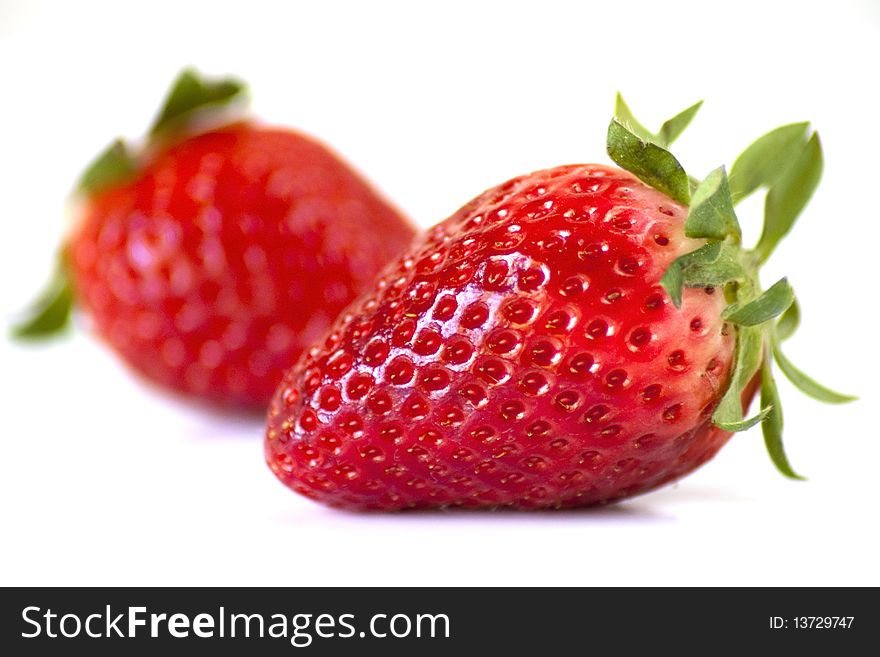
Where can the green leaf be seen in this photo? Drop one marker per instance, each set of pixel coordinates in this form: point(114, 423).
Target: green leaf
point(789, 195)
point(723, 269)
point(669, 131)
point(766, 159)
point(742, 425)
point(713, 264)
point(672, 129)
point(625, 116)
point(711, 213)
point(111, 167)
point(789, 321)
point(771, 427)
point(770, 304)
point(50, 314)
point(674, 278)
point(749, 348)
point(673, 282)
point(649, 162)
point(804, 383)
point(191, 93)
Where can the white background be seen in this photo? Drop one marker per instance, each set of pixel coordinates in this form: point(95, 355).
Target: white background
point(106, 481)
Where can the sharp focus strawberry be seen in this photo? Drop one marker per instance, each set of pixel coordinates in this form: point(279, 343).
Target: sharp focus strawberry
point(214, 260)
point(571, 337)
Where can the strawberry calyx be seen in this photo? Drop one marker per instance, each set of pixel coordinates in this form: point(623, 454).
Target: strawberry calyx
point(190, 97)
point(787, 163)
point(50, 314)
point(193, 105)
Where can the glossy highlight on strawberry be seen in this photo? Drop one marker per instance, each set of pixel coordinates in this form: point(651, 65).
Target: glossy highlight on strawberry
point(571, 337)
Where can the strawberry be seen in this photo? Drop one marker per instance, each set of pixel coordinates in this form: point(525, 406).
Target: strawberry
point(211, 260)
point(571, 337)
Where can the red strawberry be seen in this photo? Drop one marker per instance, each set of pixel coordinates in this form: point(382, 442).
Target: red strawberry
point(537, 348)
point(212, 262)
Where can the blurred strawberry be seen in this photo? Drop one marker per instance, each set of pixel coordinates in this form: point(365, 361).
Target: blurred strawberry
point(211, 258)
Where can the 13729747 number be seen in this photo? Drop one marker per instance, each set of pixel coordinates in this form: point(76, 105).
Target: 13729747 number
point(813, 622)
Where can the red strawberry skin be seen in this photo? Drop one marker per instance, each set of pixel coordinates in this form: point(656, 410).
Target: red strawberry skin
point(522, 354)
point(228, 255)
